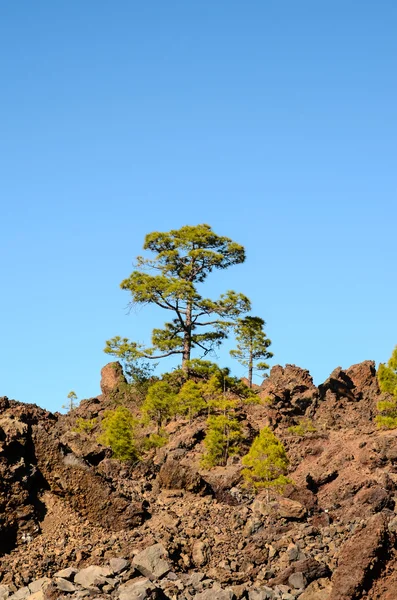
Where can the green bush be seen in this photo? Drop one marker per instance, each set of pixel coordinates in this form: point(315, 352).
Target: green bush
point(190, 399)
point(266, 463)
point(84, 425)
point(160, 403)
point(221, 441)
point(387, 378)
point(118, 432)
point(154, 440)
point(303, 428)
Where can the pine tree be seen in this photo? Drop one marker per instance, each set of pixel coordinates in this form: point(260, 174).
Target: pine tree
point(222, 440)
point(118, 432)
point(266, 462)
point(190, 399)
point(252, 344)
point(71, 403)
point(183, 258)
point(387, 378)
point(160, 403)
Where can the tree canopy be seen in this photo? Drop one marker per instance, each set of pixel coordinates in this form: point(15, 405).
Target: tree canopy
point(182, 259)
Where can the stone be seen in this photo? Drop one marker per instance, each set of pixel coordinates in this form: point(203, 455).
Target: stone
point(200, 553)
point(291, 509)
point(65, 585)
point(118, 565)
point(152, 562)
point(39, 584)
point(92, 576)
point(359, 557)
point(22, 593)
point(176, 476)
point(67, 573)
point(137, 589)
point(112, 378)
point(297, 581)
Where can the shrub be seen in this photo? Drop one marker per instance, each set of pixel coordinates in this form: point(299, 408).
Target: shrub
point(190, 399)
point(266, 463)
point(387, 378)
point(221, 441)
point(154, 440)
point(118, 432)
point(84, 425)
point(160, 403)
point(303, 428)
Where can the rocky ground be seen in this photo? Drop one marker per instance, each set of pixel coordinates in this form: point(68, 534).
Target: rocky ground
point(76, 523)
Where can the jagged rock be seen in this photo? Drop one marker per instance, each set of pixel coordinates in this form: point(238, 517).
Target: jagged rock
point(139, 589)
point(92, 576)
point(64, 585)
point(310, 568)
point(118, 565)
point(359, 559)
point(112, 377)
point(39, 584)
point(297, 581)
point(67, 573)
point(21, 594)
point(152, 562)
point(200, 552)
point(174, 475)
point(291, 387)
point(290, 509)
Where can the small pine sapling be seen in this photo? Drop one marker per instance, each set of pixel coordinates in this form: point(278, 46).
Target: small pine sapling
point(190, 399)
point(387, 379)
point(71, 403)
point(266, 463)
point(221, 441)
point(160, 403)
point(118, 432)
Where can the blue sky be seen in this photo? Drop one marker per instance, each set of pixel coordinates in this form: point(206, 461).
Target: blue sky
point(273, 121)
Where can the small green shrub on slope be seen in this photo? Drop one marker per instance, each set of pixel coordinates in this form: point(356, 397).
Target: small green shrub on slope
point(387, 379)
point(266, 463)
point(221, 441)
point(118, 432)
point(160, 403)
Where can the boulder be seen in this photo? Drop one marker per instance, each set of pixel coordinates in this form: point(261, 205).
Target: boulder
point(174, 475)
point(138, 589)
point(152, 562)
point(92, 576)
point(359, 558)
point(112, 377)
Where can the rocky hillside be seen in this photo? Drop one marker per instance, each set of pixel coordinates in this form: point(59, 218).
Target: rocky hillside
point(76, 523)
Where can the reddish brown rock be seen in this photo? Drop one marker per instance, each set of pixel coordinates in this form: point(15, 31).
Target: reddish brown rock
point(361, 559)
point(112, 377)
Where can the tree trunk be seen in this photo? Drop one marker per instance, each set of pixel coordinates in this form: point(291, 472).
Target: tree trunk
point(187, 338)
point(250, 367)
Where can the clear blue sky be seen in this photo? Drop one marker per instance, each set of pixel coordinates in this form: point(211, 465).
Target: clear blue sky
point(273, 121)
